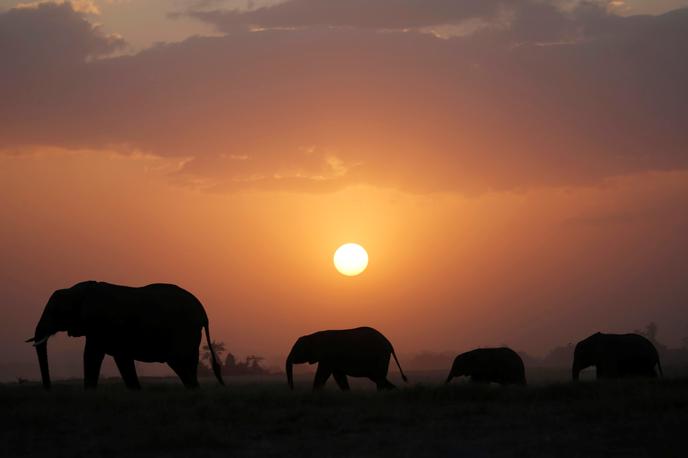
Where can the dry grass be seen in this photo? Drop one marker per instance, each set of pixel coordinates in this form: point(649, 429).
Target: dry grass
point(262, 418)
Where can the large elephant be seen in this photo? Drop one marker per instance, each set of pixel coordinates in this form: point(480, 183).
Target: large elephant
point(359, 352)
point(155, 323)
point(489, 365)
point(616, 356)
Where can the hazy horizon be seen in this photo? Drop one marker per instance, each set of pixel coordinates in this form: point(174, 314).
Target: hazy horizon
point(516, 170)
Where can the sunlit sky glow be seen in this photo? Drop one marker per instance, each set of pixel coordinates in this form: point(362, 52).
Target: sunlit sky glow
point(518, 170)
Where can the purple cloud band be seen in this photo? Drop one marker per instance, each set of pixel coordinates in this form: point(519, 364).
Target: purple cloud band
point(553, 97)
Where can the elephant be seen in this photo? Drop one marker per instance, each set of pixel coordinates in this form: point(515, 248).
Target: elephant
point(359, 352)
point(616, 356)
point(489, 365)
point(154, 323)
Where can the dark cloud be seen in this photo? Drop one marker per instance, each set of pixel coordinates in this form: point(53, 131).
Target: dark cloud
point(389, 14)
point(319, 108)
point(51, 34)
point(526, 19)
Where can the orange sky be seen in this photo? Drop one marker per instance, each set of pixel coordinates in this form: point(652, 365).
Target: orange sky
point(531, 269)
point(510, 187)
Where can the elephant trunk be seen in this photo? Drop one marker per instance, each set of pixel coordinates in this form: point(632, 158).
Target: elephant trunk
point(457, 370)
point(290, 372)
point(42, 352)
point(40, 341)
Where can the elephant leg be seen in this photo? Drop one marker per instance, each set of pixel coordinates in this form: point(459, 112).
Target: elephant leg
point(93, 359)
point(321, 376)
point(479, 380)
point(187, 371)
point(127, 369)
point(341, 380)
point(607, 372)
point(383, 384)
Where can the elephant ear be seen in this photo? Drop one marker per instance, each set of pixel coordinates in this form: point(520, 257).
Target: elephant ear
point(316, 348)
point(79, 297)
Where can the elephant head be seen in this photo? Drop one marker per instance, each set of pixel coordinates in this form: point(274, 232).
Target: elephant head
point(585, 354)
point(304, 350)
point(63, 312)
point(463, 365)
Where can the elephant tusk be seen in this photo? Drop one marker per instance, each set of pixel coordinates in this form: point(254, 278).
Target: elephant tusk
point(39, 342)
point(30, 340)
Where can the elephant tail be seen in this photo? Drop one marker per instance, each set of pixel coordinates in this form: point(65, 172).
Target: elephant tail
point(403, 377)
point(213, 361)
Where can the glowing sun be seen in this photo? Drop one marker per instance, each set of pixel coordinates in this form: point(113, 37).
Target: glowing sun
point(350, 259)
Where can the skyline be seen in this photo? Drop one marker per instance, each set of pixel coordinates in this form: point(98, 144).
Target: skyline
point(516, 170)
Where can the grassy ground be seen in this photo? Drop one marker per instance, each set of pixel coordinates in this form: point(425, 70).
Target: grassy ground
point(262, 418)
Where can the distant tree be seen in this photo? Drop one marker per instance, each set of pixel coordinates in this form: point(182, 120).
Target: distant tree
point(230, 361)
point(253, 362)
point(529, 360)
point(218, 348)
point(651, 331)
point(560, 356)
point(250, 366)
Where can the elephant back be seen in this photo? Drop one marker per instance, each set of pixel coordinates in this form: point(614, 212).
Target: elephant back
point(148, 323)
point(364, 341)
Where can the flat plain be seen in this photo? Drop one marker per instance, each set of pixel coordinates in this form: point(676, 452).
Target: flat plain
point(261, 417)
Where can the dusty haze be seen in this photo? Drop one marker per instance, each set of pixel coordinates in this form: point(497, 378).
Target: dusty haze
point(517, 170)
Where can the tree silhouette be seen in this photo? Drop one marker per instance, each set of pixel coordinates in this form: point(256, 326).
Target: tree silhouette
point(251, 366)
point(560, 356)
point(218, 348)
point(254, 361)
point(651, 331)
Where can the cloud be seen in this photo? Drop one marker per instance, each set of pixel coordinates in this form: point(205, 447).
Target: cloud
point(53, 34)
point(388, 14)
point(528, 17)
point(558, 96)
point(81, 6)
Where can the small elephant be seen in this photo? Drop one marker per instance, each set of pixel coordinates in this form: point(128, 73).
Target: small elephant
point(155, 323)
point(359, 352)
point(490, 365)
point(616, 356)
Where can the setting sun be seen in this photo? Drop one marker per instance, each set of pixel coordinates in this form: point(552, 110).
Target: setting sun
point(351, 259)
point(178, 178)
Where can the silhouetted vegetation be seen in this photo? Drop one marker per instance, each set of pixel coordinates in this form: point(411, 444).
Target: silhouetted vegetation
point(251, 366)
point(217, 347)
point(260, 416)
point(257, 419)
point(668, 356)
point(230, 366)
point(560, 356)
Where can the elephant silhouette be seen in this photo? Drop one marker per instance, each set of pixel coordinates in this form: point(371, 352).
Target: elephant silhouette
point(359, 352)
point(155, 323)
point(489, 365)
point(616, 356)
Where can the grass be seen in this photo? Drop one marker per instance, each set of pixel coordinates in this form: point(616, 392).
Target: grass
point(263, 418)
